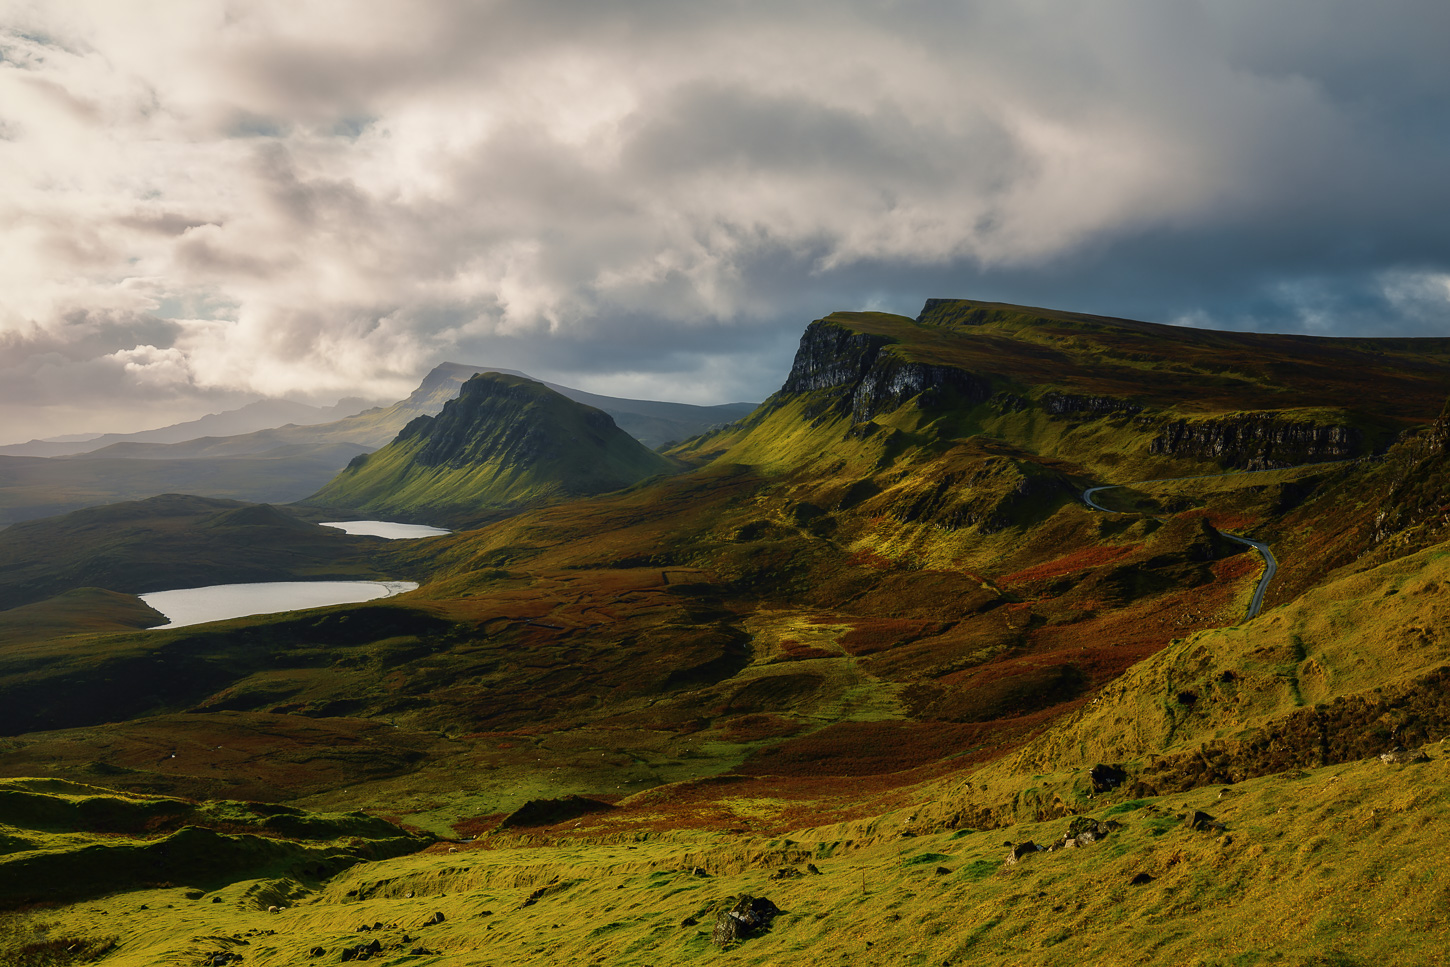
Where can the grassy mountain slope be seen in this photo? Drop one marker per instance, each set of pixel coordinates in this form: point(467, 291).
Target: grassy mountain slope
point(875, 630)
point(506, 441)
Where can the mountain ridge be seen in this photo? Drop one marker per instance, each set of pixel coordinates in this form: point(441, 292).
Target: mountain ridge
point(505, 441)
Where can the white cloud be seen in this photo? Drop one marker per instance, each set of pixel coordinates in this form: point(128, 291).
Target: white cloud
point(330, 197)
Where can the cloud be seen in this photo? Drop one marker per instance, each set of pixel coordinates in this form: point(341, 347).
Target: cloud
point(207, 200)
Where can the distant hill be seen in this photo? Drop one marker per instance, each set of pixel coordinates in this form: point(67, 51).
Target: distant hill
point(652, 423)
point(280, 464)
point(506, 441)
point(254, 416)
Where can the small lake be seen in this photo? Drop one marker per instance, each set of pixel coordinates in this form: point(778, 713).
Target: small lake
point(194, 606)
point(386, 529)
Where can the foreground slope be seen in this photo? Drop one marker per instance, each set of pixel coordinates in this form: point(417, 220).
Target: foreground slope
point(506, 441)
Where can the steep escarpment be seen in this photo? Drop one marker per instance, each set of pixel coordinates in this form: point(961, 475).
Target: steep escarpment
point(505, 442)
point(1258, 441)
point(861, 375)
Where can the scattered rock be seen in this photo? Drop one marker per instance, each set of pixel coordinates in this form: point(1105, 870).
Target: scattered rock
point(1140, 879)
point(811, 869)
point(746, 918)
point(786, 873)
point(363, 951)
point(689, 922)
point(698, 871)
point(437, 917)
point(317, 952)
point(216, 899)
point(1015, 854)
point(942, 871)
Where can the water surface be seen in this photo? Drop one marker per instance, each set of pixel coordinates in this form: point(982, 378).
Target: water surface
point(386, 529)
point(194, 606)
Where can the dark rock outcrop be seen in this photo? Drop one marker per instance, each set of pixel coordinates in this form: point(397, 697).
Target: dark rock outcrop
point(748, 917)
point(867, 378)
point(1204, 823)
point(1106, 777)
point(1257, 441)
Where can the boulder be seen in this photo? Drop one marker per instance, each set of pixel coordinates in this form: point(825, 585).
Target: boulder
point(1016, 853)
point(1399, 756)
point(746, 918)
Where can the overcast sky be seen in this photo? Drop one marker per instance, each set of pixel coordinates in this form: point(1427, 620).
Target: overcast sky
point(205, 201)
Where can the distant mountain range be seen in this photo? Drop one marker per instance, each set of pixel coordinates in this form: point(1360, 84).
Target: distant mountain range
point(254, 416)
point(276, 463)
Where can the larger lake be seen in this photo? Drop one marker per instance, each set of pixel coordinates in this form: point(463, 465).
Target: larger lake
point(194, 606)
point(386, 529)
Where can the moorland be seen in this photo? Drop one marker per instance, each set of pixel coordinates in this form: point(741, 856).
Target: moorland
point(864, 652)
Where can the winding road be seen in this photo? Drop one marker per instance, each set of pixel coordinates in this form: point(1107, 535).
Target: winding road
point(1271, 566)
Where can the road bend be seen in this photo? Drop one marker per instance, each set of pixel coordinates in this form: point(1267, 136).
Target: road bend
point(1271, 566)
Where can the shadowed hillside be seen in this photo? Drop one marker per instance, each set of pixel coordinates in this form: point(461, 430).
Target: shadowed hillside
point(171, 541)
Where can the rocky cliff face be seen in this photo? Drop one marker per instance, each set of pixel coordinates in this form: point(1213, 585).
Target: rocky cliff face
point(1257, 441)
point(866, 378)
point(1416, 502)
point(1067, 404)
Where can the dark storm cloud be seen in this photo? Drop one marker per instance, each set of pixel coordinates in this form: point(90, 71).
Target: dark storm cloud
point(658, 196)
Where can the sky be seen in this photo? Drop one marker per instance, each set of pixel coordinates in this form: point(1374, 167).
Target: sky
point(204, 202)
